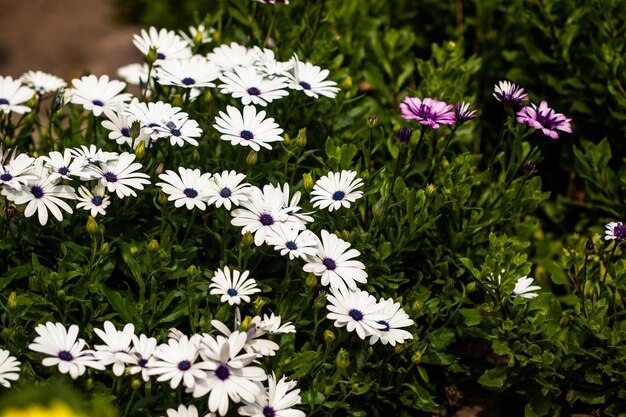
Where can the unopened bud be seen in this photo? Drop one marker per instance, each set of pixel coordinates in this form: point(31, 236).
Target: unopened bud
point(589, 246)
point(365, 175)
point(430, 189)
point(404, 135)
point(311, 280)
point(134, 250)
point(177, 100)
point(301, 139)
point(258, 303)
point(12, 303)
point(286, 139)
point(6, 333)
point(380, 207)
point(197, 38)
point(153, 246)
point(346, 84)
point(104, 248)
point(134, 130)
point(342, 361)
point(92, 226)
point(251, 158)
point(88, 384)
point(345, 235)
point(195, 155)
point(152, 55)
point(320, 300)
point(372, 121)
point(136, 384)
point(416, 358)
point(207, 96)
point(59, 100)
point(471, 287)
point(329, 336)
point(307, 180)
point(191, 271)
point(245, 324)
point(162, 198)
point(417, 307)
point(530, 168)
point(247, 240)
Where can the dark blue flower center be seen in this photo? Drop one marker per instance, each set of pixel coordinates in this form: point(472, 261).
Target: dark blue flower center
point(64, 170)
point(184, 365)
point(266, 219)
point(64, 355)
point(97, 200)
point(329, 264)
point(142, 362)
point(160, 55)
point(291, 245)
point(6, 177)
point(305, 85)
point(253, 91)
point(3, 101)
point(37, 191)
point(268, 411)
point(190, 192)
point(356, 314)
point(110, 177)
point(97, 102)
point(225, 193)
point(222, 372)
point(384, 323)
point(246, 134)
point(188, 81)
point(154, 125)
point(620, 232)
point(338, 195)
point(232, 292)
point(125, 132)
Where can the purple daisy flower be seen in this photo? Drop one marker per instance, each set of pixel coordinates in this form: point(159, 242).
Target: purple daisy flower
point(544, 118)
point(462, 113)
point(615, 231)
point(429, 112)
point(510, 93)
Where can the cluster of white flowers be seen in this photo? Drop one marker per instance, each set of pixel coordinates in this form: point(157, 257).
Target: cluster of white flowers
point(223, 367)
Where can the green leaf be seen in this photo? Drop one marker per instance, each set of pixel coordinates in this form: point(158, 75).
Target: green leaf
point(123, 305)
point(494, 378)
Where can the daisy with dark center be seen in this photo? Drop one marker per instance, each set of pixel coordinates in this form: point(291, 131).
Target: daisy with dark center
point(121, 176)
point(293, 242)
point(615, 231)
point(510, 93)
point(119, 124)
point(395, 318)
point(234, 55)
point(195, 71)
point(233, 286)
point(64, 165)
point(429, 112)
point(17, 172)
point(177, 362)
point(255, 343)
point(64, 349)
point(311, 80)
point(142, 354)
point(180, 129)
point(545, 119)
point(96, 201)
point(248, 129)
point(230, 374)
point(97, 94)
point(336, 190)
point(9, 368)
point(462, 113)
point(13, 94)
point(356, 310)
point(42, 82)
point(167, 43)
point(334, 263)
point(152, 116)
point(189, 187)
point(116, 350)
point(272, 324)
point(277, 400)
point(227, 189)
point(252, 88)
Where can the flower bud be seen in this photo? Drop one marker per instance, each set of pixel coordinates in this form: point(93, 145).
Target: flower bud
point(162, 198)
point(12, 303)
point(430, 189)
point(195, 155)
point(191, 271)
point(135, 384)
point(417, 307)
point(471, 287)
point(416, 358)
point(245, 324)
point(134, 250)
point(345, 235)
point(589, 246)
point(286, 139)
point(251, 158)
point(177, 100)
point(104, 248)
point(207, 96)
point(372, 121)
point(307, 180)
point(92, 226)
point(88, 384)
point(258, 303)
point(404, 135)
point(346, 84)
point(134, 130)
point(342, 361)
point(311, 280)
point(301, 139)
point(58, 101)
point(320, 300)
point(197, 38)
point(153, 246)
point(329, 336)
point(6, 333)
point(140, 150)
point(152, 55)
point(365, 175)
point(247, 240)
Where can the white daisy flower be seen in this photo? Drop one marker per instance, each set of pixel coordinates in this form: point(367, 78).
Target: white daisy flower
point(18, 172)
point(97, 94)
point(189, 187)
point(9, 368)
point(142, 354)
point(395, 318)
point(355, 310)
point(195, 71)
point(293, 242)
point(41, 194)
point(263, 212)
point(311, 80)
point(229, 57)
point(96, 201)
point(63, 349)
point(333, 262)
point(614, 231)
point(272, 324)
point(93, 154)
point(230, 375)
point(116, 352)
point(235, 288)
point(135, 74)
point(167, 43)
point(13, 94)
point(183, 411)
point(64, 165)
point(152, 116)
point(202, 33)
point(250, 129)
point(249, 86)
point(510, 93)
point(293, 210)
point(335, 190)
point(524, 288)
point(277, 400)
point(120, 175)
point(227, 189)
point(42, 82)
point(176, 362)
point(254, 343)
point(180, 129)
point(119, 125)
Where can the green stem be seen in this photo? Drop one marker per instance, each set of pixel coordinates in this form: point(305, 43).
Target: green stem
point(419, 140)
point(606, 270)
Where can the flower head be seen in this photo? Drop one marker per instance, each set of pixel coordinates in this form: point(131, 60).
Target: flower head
point(545, 119)
point(116, 350)
point(355, 310)
point(615, 231)
point(509, 93)
point(42, 82)
point(336, 190)
point(251, 87)
point(96, 200)
point(227, 189)
point(277, 400)
point(177, 362)
point(97, 94)
point(404, 134)
point(524, 288)
point(233, 288)
point(248, 128)
point(142, 353)
point(167, 43)
point(391, 331)
point(13, 94)
point(9, 368)
point(462, 113)
point(429, 112)
point(192, 72)
point(311, 80)
point(189, 187)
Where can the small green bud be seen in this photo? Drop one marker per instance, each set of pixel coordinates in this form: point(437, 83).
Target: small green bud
point(177, 100)
point(104, 248)
point(162, 198)
point(88, 384)
point(135, 130)
point(12, 303)
point(92, 226)
point(202, 323)
point(329, 336)
point(372, 121)
point(345, 235)
point(61, 294)
point(258, 303)
point(311, 280)
point(301, 139)
point(369, 352)
point(399, 348)
point(346, 84)
point(134, 250)
point(6, 333)
point(140, 150)
point(247, 240)
point(197, 38)
point(191, 271)
point(151, 56)
point(320, 300)
point(365, 175)
point(307, 180)
point(245, 324)
point(416, 358)
point(430, 189)
point(251, 158)
point(195, 155)
point(471, 287)
point(342, 361)
point(286, 139)
point(380, 207)
point(136, 384)
point(153, 246)
point(207, 96)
